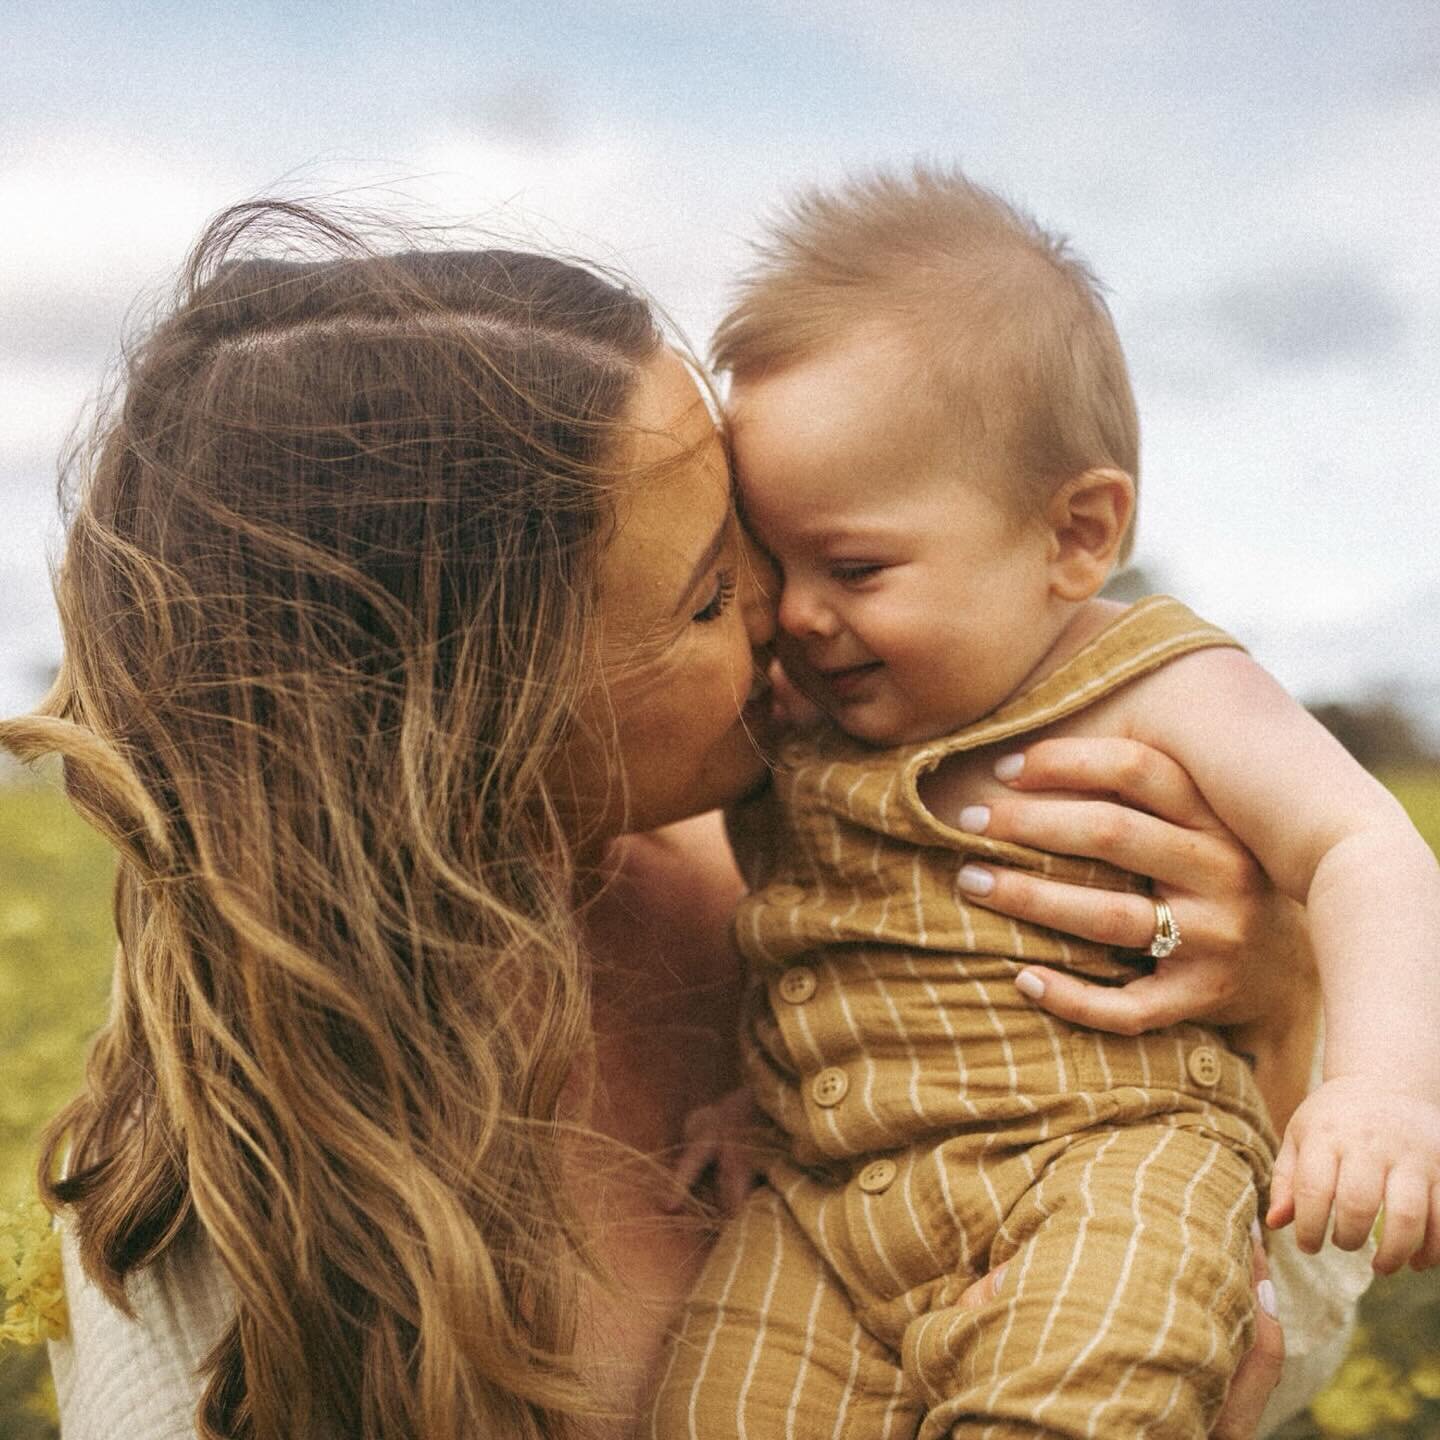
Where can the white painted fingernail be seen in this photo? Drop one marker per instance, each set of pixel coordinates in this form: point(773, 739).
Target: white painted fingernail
point(998, 1280)
point(975, 880)
point(974, 818)
point(1265, 1294)
point(1008, 767)
point(1255, 1232)
point(1027, 982)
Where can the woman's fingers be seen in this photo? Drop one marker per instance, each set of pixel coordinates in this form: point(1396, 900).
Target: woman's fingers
point(1125, 768)
point(1108, 917)
point(1192, 859)
point(1259, 1371)
point(1150, 1003)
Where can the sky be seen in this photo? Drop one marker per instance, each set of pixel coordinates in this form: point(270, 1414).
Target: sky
point(1255, 182)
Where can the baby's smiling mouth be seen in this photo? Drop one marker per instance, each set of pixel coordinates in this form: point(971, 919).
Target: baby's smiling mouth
point(845, 681)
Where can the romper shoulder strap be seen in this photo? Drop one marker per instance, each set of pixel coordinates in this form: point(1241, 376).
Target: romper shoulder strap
point(1151, 633)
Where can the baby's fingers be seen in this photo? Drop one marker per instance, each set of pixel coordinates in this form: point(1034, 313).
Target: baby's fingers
point(1407, 1211)
point(737, 1178)
point(1359, 1191)
point(694, 1160)
point(1429, 1253)
point(1316, 1168)
point(1282, 1186)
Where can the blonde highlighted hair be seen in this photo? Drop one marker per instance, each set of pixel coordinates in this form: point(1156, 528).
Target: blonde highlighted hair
point(328, 600)
point(1015, 360)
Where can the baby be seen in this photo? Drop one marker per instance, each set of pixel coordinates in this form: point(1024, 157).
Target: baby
point(936, 440)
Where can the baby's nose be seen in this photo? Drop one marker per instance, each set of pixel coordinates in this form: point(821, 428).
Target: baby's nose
point(801, 613)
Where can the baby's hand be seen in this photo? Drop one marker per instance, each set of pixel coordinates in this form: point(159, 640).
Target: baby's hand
point(727, 1137)
point(1358, 1147)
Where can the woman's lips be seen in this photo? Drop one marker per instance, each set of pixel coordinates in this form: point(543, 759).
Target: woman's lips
point(756, 709)
point(848, 683)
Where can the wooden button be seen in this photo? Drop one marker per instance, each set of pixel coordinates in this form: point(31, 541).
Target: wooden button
point(830, 1086)
point(877, 1176)
point(797, 984)
point(784, 894)
point(1204, 1065)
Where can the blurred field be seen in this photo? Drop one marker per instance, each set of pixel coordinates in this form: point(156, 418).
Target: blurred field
point(55, 950)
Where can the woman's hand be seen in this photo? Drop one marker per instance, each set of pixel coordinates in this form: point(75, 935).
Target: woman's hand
point(1137, 809)
point(1258, 1372)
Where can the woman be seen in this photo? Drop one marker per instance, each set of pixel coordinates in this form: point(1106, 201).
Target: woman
point(409, 628)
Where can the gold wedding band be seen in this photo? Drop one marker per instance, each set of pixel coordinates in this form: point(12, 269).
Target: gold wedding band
point(1167, 932)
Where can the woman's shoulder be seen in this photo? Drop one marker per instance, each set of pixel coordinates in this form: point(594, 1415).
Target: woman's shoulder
point(691, 856)
point(141, 1376)
point(680, 879)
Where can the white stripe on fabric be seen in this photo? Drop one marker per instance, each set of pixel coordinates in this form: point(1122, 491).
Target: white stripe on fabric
point(903, 1035)
point(806, 1355)
point(776, 1261)
point(849, 1382)
point(1131, 1250)
point(1087, 1215)
point(1231, 1219)
point(740, 1248)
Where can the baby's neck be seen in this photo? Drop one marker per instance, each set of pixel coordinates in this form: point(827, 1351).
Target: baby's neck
point(1083, 624)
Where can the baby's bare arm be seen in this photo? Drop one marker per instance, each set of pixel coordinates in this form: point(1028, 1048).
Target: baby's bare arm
point(1330, 835)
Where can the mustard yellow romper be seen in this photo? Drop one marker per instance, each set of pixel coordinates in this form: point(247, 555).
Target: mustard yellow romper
point(938, 1124)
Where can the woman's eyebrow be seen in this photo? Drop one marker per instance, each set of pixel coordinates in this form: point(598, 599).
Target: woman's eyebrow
point(706, 560)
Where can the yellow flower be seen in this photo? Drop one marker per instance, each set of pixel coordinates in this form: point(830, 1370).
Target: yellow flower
point(31, 1281)
point(1425, 1379)
point(1366, 1394)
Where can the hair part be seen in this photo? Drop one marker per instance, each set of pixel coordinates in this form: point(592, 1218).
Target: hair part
point(1012, 352)
point(328, 600)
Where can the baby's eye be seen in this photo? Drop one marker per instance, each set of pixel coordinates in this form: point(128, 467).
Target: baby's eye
point(851, 572)
point(719, 601)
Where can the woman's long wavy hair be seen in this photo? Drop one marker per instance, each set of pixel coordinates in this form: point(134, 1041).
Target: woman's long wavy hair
point(328, 599)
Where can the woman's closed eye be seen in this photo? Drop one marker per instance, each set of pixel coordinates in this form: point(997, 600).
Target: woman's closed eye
point(719, 600)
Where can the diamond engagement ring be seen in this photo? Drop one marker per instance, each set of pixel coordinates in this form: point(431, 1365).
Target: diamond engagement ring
point(1167, 932)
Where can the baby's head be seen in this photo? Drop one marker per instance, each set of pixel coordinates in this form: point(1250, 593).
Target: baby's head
point(936, 438)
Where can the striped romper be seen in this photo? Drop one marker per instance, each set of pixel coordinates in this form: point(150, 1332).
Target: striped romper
point(936, 1124)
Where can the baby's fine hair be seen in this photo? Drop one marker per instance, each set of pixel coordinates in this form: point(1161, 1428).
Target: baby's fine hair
point(1007, 328)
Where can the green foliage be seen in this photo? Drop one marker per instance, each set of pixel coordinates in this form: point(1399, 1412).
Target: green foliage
point(55, 949)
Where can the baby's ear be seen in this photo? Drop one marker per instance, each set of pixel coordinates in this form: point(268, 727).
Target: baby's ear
point(1088, 517)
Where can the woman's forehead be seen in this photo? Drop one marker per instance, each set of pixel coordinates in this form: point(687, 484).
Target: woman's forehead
point(676, 497)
